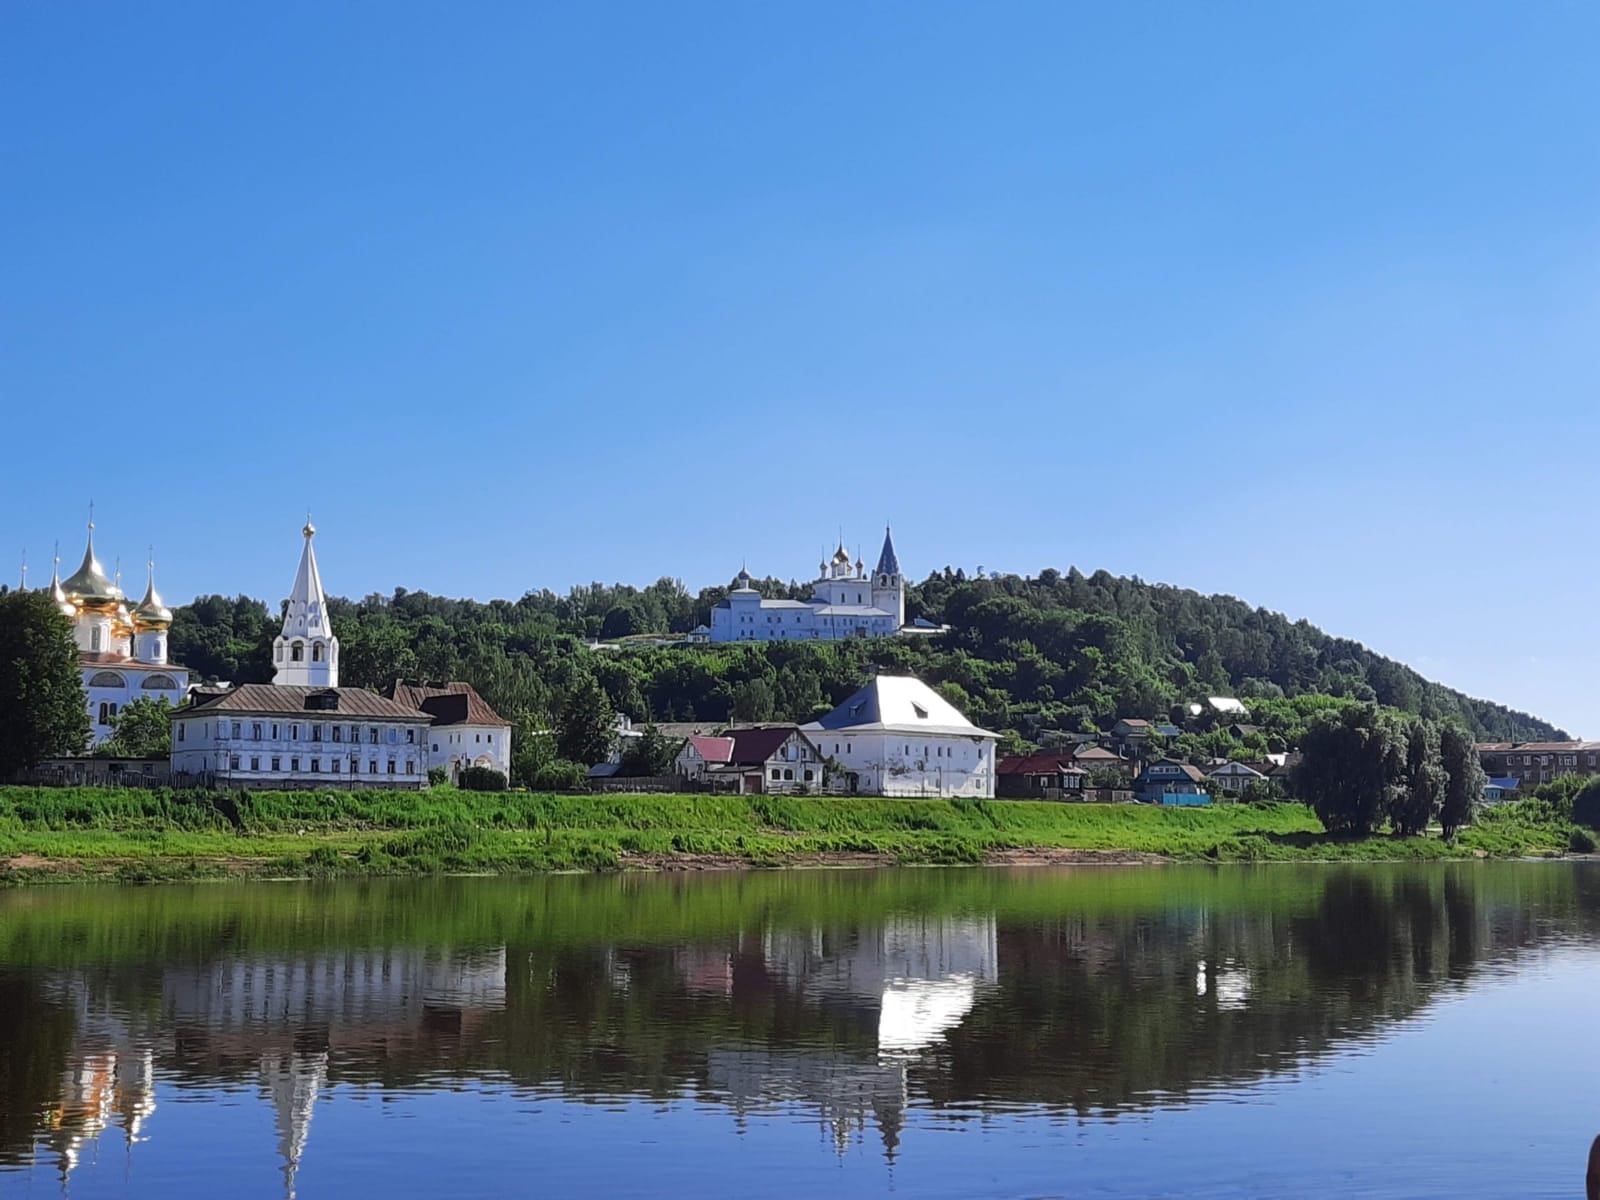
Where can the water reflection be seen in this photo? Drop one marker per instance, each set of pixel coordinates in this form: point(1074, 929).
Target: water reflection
point(852, 999)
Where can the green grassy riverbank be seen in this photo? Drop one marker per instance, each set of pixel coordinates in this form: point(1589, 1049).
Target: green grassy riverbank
point(64, 834)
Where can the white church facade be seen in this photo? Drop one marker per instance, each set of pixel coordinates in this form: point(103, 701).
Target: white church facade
point(845, 602)
point(899, 737)
point(122, 651)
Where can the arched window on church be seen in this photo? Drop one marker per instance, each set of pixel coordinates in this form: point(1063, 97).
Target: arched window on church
point(277, 652)
point(297, 652)
point(94, 639)
point(316, 651)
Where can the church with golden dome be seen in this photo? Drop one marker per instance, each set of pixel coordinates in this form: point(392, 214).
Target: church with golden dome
point(122, 651)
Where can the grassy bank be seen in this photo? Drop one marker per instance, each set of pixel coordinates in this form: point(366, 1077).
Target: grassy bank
point(69, 833)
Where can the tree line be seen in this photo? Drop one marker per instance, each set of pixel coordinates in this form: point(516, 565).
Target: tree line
point(1056, 652)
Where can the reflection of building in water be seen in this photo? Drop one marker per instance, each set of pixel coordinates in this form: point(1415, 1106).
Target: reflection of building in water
point(292, 1082)
point(913, 980)
point(1227, 982)
point(921, 974)
point(277, 1017)
point(355, 987)
point(845, 1088)
point(100, 1087)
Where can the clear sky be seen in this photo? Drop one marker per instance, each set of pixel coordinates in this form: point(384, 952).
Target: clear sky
point(1294, 302)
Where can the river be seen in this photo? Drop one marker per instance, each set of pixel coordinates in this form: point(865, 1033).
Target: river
point(1286, 1030)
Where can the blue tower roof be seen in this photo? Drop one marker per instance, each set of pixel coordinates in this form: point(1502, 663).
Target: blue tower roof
point(888, 561)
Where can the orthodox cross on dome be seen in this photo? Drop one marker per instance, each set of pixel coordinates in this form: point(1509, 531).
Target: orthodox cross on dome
point(24, 586)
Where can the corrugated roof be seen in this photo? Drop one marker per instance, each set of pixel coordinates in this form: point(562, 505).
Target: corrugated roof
point(712, 749)
point(270, 699)
point(754, 746)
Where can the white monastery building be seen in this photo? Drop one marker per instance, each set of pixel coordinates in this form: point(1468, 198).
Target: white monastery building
point(845, 602)
point(302, 729)
point(899, 737)
point(122, 652)
point(466, 732)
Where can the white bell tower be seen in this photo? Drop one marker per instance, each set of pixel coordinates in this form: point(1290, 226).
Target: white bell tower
point(306, 654)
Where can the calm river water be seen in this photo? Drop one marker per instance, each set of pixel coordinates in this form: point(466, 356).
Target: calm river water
point(1271, 1031)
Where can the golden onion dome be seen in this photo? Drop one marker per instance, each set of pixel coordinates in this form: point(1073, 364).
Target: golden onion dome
point(842, 556)
point(88, 587)
point(121, 620)
point(151, 613)
point(58, 595)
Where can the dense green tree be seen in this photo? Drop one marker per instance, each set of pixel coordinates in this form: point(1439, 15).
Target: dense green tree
point(649, 754)
point(224, 638)
point(1352, 764)
point(1421, 793)
point(43, 712)
point(587, 727)
point(1464, 779)
point(753, 700)
point(143, 729)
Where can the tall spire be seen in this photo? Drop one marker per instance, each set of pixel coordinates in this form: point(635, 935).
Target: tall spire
point(888, 560)
point(306, 654)
point(23, 586)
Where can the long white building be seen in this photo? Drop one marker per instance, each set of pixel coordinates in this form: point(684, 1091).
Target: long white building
point(845, 602)
point(899, 737)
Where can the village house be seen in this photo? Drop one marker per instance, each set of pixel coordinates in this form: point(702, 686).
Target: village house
point(899, 737)
point(1041, 776)
point(1498, 791)
point(1097, 759)
point(1167, 781)
point(768, 759)
point(700, 753)
point(1234, 777)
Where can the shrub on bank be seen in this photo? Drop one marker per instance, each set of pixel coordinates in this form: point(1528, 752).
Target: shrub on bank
point(481, 779)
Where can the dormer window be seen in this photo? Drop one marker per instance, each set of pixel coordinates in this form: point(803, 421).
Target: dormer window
point(922, 713)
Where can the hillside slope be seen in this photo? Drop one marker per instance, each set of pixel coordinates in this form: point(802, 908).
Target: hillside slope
point(1053, 652)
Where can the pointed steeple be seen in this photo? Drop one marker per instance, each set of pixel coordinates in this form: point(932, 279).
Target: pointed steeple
point(306, 654)
point(888, 561)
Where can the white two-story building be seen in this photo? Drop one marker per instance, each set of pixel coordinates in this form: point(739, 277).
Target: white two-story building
point(899, 737)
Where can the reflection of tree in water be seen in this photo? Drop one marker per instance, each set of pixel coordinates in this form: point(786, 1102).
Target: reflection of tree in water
point(854, 1001)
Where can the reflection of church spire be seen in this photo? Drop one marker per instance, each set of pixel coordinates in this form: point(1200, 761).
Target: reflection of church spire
point(136, 1092)
point(293, 1082)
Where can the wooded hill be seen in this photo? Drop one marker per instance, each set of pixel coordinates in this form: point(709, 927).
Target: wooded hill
point(1058, 652)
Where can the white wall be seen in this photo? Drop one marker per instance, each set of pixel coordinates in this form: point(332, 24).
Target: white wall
point(208, 742)
point(458, 746)
point(100, 697)
point(913, 764)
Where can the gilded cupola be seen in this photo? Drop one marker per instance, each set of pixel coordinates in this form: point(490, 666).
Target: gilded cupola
point(87, 587)
point(152, 612)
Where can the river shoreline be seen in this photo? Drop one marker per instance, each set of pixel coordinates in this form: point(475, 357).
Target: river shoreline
point(81, 834)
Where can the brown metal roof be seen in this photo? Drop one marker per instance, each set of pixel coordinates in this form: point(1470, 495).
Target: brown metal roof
point(754, 746)
point(454, 703)
point(270, 699)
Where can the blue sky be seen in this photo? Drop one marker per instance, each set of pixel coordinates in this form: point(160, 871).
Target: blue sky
point(1294, 303)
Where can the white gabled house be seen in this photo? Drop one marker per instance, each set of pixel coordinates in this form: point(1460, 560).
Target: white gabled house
point(899, 737)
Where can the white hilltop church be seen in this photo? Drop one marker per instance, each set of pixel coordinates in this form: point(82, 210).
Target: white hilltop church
point(122, 652)
point(845, 602)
